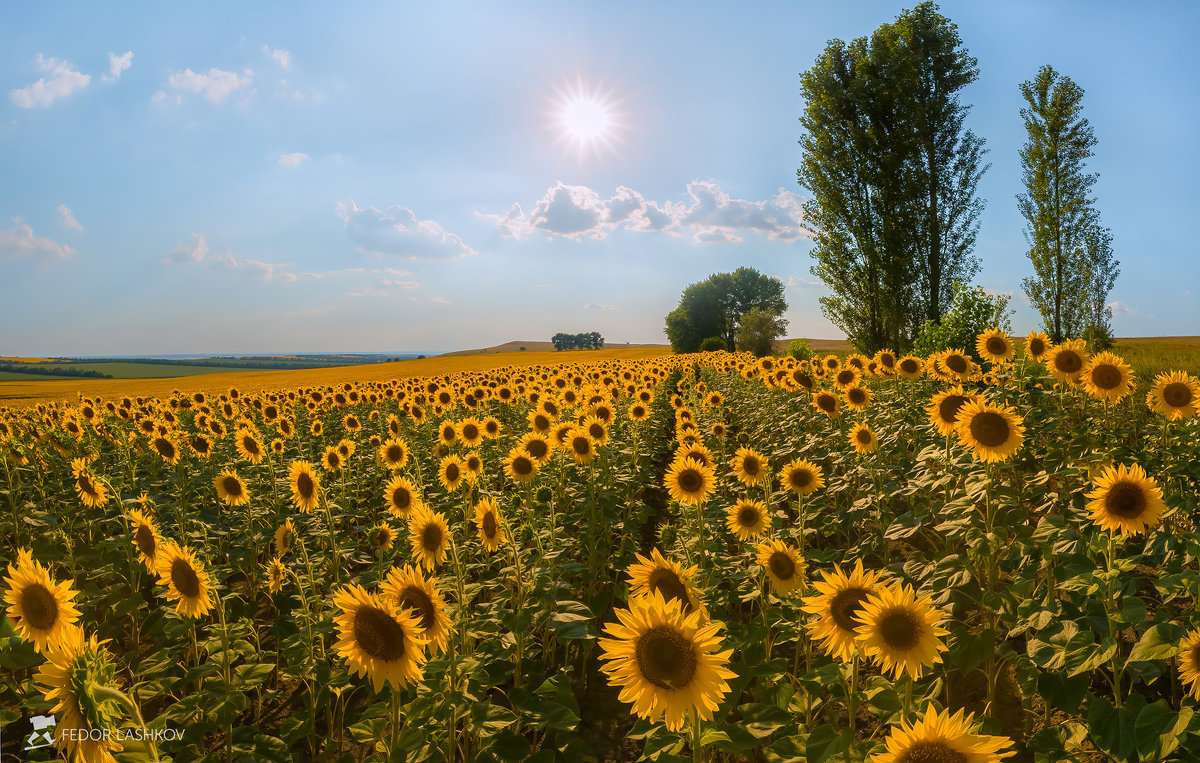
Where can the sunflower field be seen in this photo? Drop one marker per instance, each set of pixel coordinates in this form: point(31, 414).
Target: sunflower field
point(964, 558)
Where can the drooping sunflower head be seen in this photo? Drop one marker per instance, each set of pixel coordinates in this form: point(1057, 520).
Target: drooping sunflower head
point(92, 491)
point(838, 602)
point(305, 485)
point(488, 522)
point(901, 631)
point(145, 536)
point(863, 439)
point(41, 610)
point(276, 574)
point(430, 538)
point(992, 432)
point(1066, 360)
point(1108, 378)
point(378, 639)
point(944, 408)
point(994, 345)
point(285, 536)
point(940, 736)
point(87, 724)
point(1175, 395)
point(690, 482)
point(666, 578)
point(186, 581)
point(785, 568)
point(231, 489)
point(749, 465)
point(747, 519)
point(1126, 501)
point(411, 591)
point(801, 477)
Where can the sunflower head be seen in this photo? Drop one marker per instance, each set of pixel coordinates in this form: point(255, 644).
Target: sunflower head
point(491, 528)
point(276, 575)
point(837, 604)
point(994, 345)
point(1175, 395)
point(305, 484)
point(667, 578)
point(378, 639)
point(231, 489)
point(41, 610)
point(1037, 345)
point(186, 581)
point(409, 590)
point(382, 537)
point(944, 408)
point(992, 432)
point(1126, 501)
point(86, 722)
point(749, 465)
point(689, 482)
point(801, 477)
point(940, 736)
point(145, 536)
point(784, 567)
point(520, 466)
point(1189, 662)
point(430, 537)
point(901, 631)
point(1066, 360)
point(393, 454)
point(1108, 378)
point(747, 519)
point(863, 439)
point(402, 497)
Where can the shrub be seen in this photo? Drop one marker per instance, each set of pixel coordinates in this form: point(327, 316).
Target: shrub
point(713, 343)
point(972, 311)
point(800, 350)
point(759, 330)
point(1098, 337)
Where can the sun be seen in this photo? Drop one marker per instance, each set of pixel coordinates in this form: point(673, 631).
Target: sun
point(587, 118)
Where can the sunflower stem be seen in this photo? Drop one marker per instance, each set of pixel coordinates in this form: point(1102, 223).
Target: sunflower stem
point(697, 735)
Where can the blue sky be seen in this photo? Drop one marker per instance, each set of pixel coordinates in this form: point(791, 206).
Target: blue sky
point(383, 177)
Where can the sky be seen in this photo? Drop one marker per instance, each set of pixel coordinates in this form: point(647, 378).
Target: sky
point(387, 177)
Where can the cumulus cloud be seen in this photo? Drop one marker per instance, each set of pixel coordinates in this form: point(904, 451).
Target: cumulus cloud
point(281, 56)
point(62, 80)
point(19, 243)
point(1120, 308)
point(397, 232)
point(292, 160)
point(709, 214)
point(196, 250)
point(216, 86)
point(68, 218)
point(117, 64)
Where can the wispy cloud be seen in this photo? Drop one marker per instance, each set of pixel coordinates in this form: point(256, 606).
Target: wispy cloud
point(398, 232)
point(117, 64)
point(368, 292)
point(598, 306)
point(439, 300)
point(193, 250)
point(197, 250)
point(216, 86)
point(796, 282)
point(292, 160)
point(68, 218)
point(63, 80)
point(281, 56)
point(19, 242)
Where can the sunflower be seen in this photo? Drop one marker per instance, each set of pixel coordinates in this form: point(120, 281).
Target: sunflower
point(470, 432)
point(88, 726)
point(537, 447)
point(697, 452)
point(91, 491)
point(409, 590)
point(491, 529)
point(231, 489)
point(165, 449)
point(491, 427)
point(956, 363)
point(1174, 395)
point(1126, 501)
point(863, 439)
point(639, 412)
point(285, 536)
point(185, 579)
point(837, 604)
point(747, 519)
point(145, 536)
point(200, 445)
point(828, 403)
point(667, 578)
point(382, 537)
point(942, 737)
point(784, 567)
point(402, 497)
point(1066, 360)
point(910, 367)
point(451, 473)
point(1189, 662)
point(378, 639)
point(750, 465)
point(802, 477)
point(581, 447)
point(306, 486)
point(540, 422)
point(331, 460)
point(41, 610)
point(944, 408)
point(473, 465)
point(901, 631)
point(994, 345)
point(1037, 345)
point(430, 537)
point(276, 574)
point(393, 454)
point(857, 398)
point(249, 446)
point(994, 432)
point(666, 661)
point(1108, 378)
point(688, 481)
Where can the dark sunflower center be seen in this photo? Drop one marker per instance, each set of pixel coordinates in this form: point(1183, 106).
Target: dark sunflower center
point(596, 430)
point(145, 541)
point(949, 407)
point(418, 600)
point(956, 363)
point(581, 446)
point(522, 466)
point(377, 634)
point(251, 446)
point(864, 436)
point(781, 566)
point(541, 422)
point(165, 448)
point(996, 346)
point(827, 402)
point(304, 485)
point(989, 429)
point(39, 607)
point(85, 484)
point(900, 629)
point(537, 448)
point(845, 377)
point(401, 498)
point(489, 525)
point(666, 658)
point(1177, 394)
point(1126, 500)
point(751, 466)
point(857, 395)
point(800, 478)
point(452, 472)
point(748, 516)
point(690, 481)
point(935, 751)
point(232, 486)
point(845, 606)
point(1106, 376)
point(667, 583)
point(1194, 657)
point(908, 366)
point(1036, 346)
point(431, 538)
point(470, 432)
point(803, 379)
point(1068, 362)
point(185, 579)
point(382, 537)
point(395, 453)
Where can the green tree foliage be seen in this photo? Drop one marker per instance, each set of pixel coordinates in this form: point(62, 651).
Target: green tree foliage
point(715, 306)
point(799, 349)
point(892, 172)
point(1073, 264)
point(589, 341)
point(758, 331)
point(969, 314)
point(712, 344)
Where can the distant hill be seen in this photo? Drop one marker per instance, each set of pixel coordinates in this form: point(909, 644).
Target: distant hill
point(532, 346)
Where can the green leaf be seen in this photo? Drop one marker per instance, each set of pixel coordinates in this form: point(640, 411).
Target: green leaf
point(824, 741)
point(1159, 730)
point(968, 649)
point(1159, 642)
point(1083, 654)
point(1111, 729)
point(1061, 692)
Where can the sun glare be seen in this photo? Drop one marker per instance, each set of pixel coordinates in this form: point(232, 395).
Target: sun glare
point(587, 119)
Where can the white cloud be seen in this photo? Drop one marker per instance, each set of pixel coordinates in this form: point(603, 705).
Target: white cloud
point(18, 243)
point(368, 292)
point(398, 232)
point(598, 306)
point(117, 64)
point(407, 285)
point(216, 86)
point(64, 79)
point(709, 214)
point(796, 282)
point(196, 250)
point(439, 300)
point(292, 160)
point(283, 57)
point(1120, 308)
point(68, 218)
point(193, 251)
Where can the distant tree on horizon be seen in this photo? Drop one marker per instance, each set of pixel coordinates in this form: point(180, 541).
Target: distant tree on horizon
point(587, 341)
point(715, 306)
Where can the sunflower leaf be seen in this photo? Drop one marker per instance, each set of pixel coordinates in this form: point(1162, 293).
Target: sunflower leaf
point(824, 741)
point(1159, 642)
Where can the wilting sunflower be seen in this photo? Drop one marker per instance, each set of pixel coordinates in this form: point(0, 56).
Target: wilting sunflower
point(305, 484)
point(285, 536)
point(41, 610)
point(747, 519)
point(402, 497)
point(1108, 378)
point(520, 466)
point(451, 473)
point(785, 568)
point(942, 737)
point(995, 346)
point(487, 520)
point(409, 590)
point(666, 661)
point(750, 466)
point(231, 489)
point(993, 432)
point(857, 398)
point(910, 367)
point(1037, 345)
point(145, 537)
point(393, 454)
point(1189, 662)
point(901, 631)
point(382, 537)
point(185, 579)
point(944, 408)
point(837, 604)
point(802, 477)
point(430, 537)
point(378, 639)
point(1066, 360)
point(688, 481)
point(1126, 501)
point(276, 574)
point(87, 726)
point(863, 439)
point(667, 578)
point(827, 403)
point(1174, 395)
